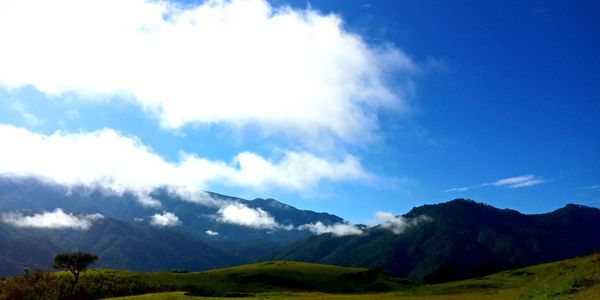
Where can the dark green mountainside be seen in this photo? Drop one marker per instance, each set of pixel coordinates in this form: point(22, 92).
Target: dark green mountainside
point(118, 244)
point(462, 239)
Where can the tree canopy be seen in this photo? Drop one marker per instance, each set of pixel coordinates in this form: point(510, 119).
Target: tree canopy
point(74, 262)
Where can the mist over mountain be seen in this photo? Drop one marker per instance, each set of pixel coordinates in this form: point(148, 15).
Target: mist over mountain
point(128, 235)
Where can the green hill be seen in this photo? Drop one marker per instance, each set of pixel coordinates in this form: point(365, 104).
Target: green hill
point(277, 276)
point(461, 239)
point(577, 278)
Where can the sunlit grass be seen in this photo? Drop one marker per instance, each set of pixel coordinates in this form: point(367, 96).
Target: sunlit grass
point(577, 278)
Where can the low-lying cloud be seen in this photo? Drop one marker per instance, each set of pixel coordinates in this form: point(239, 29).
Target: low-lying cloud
point(398, 224)
point(240, 214)
point(56, 219)
point(165, 219)
point(338, 229)
point(120, 163)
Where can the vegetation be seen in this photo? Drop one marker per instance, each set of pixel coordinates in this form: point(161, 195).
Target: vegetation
point(38, 284)
point(577, 278)
point(75, 263)
point(461, 239)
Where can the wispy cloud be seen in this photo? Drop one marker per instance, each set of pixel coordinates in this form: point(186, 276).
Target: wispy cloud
point(289, 71)
point(212, 233)
point(56, 219)
point(166, 219)
point(519, 181)
point(122, 163)
point(461, 189)
point(511, 182)
point(29, 118)
point(338, 229)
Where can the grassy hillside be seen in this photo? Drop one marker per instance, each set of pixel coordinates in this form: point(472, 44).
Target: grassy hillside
point(577, 278)
point(275, 276)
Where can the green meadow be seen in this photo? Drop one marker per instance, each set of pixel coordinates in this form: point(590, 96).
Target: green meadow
point(577, 278)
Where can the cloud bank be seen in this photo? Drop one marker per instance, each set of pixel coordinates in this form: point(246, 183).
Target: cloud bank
point(511, 182)
point(122, 163)
point(398, 224)
point(166, 219)
point(56, 219)
point(235, 63)
point(338, 229)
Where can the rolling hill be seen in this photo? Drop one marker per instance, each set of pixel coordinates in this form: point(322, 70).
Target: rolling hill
point(576, 278)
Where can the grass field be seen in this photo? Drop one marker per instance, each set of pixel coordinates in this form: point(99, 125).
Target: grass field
point(577, 278)
point(268, 277)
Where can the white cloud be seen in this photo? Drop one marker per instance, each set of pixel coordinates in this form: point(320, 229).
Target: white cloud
point(165, 219)
point(121, 163)
point(397, 224)
point(460, 189)
point(519, 181)
point(240, 214)
point(511, 182)
point(338, 229)
point(213, 233)
point(56, 219)
point(236, 63)
point(295, 170)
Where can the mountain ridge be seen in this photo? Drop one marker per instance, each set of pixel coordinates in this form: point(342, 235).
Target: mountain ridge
point(463, 239)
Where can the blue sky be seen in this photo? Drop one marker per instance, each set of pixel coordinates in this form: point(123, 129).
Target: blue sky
point(349, 107)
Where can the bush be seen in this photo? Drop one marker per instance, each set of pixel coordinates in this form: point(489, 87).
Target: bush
point(35, 284)
point(39, 284)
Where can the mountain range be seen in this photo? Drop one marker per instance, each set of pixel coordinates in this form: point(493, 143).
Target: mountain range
point(431, 243)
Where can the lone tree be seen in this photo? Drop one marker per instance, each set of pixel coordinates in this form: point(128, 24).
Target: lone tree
point(74, 262)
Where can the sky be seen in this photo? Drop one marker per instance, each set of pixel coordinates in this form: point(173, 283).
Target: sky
point(356, 108)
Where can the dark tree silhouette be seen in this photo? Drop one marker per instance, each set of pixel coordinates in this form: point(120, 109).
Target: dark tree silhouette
point(74, 262)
